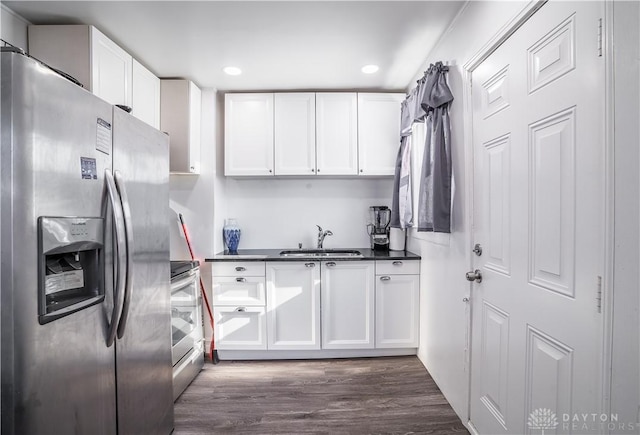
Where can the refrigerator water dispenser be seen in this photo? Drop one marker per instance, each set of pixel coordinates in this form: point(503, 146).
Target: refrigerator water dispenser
point(70, 270)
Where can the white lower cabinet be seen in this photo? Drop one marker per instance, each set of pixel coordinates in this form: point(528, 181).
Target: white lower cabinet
point(293, 305)
point(397, 310)
point(240, 328)
point(239, 310)
point(347, 305)
point(366, 306)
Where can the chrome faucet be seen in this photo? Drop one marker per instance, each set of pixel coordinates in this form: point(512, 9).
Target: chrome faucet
point(321, 235)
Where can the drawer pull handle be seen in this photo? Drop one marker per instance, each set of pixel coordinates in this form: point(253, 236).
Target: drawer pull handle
point(385, 278)
point(331, 263)
point(310, 264)
point(240, 269)
point(241, 280)
point(397, 263)
point(241, 309)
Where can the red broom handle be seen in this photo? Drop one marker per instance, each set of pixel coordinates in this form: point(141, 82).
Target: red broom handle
point(202, 290)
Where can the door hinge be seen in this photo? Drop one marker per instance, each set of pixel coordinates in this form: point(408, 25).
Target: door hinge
point(599, 295)
point(599, 37)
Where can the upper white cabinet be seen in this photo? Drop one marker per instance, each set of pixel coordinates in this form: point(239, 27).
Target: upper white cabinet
point(337, 133)
point(347, 305)
point(146, 95)
point(180, 112)
point(306, 133)
point(295, 133)
point(293, 305)
point(248, 134)
point(89, 56)
point(378, 132)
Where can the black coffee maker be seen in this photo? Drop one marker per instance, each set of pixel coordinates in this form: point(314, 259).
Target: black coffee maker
point(378, 229)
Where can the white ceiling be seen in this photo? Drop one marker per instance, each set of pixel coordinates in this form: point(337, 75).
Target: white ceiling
point(279, 45)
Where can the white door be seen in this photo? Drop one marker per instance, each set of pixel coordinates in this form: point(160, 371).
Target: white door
point(240, 328)
point(293, 305)
point(378, 132)
point(538, 214)
point(111, 70)
point(347, 305)
point(295, 133)
point(337, 133)
point(248, 134)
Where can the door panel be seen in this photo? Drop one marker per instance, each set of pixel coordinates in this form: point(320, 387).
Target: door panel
point(143, 354)
point(538, 204)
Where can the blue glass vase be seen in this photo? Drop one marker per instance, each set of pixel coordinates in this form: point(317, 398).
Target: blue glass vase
point(231, 234)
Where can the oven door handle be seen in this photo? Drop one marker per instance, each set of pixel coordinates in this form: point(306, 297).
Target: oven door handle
point(179, 283)
point(120, 262)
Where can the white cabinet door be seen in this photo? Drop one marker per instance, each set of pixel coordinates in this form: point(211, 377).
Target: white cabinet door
point(337, 133)
point(397, 310)
point(111, 70)
point(295, 133)
point(146, 95)
point(240, 328)
point(293, 305)
point(378, 132)
point(248, 134)
point(347, 304)
point(180, 112)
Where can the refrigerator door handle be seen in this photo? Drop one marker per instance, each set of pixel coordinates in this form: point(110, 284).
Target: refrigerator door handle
point(128, 227)
point(120, 248)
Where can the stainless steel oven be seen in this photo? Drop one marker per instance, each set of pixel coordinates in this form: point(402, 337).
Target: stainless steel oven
point(186, 321)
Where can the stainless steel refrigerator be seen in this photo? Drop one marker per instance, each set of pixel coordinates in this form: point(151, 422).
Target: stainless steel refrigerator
point(85, 297)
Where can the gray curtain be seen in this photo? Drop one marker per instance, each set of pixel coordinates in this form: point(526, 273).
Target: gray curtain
point(401, 206)
point(434, 203)
point(429, 103)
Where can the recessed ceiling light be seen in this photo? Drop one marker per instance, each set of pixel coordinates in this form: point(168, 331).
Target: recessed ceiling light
point(232, 70)
point(370, 69)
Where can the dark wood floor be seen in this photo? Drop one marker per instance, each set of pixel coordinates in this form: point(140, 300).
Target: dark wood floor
point(392, 395)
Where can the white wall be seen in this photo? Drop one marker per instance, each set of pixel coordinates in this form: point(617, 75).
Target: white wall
point(280, 213)
point(625, 382)
point(446, 258)
point(13, 28)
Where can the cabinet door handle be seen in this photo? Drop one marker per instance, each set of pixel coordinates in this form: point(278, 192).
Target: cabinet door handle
point(241, 309)
point(331, 263)
point(241, 280)
point(385, 278)
point(240, 269)
point(397, 263)
point(310, 264)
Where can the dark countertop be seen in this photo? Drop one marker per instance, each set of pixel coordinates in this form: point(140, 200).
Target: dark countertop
point(274, 255)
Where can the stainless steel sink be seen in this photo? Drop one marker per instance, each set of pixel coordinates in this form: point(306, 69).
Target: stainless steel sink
point(333, 253)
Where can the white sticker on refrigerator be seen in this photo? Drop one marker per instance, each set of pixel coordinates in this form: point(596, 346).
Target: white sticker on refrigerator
point(103, 136)
point(63, 281)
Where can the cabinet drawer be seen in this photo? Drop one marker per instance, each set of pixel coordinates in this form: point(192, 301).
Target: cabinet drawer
point(245, 290)
point(398, 267)
point(238, 268)
point(240, 327)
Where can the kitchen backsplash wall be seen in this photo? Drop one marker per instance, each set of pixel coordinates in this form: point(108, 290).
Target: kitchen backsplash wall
point(280, 213)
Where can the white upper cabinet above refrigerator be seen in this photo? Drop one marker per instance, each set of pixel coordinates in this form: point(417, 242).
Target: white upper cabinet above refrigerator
point(378, 132)
point(295, 133)
point(248, 134)
point(337, 133)
point(89, 56)
point(146, 95)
